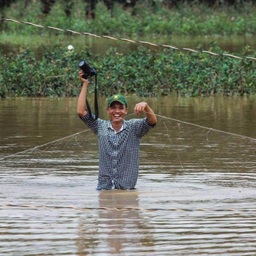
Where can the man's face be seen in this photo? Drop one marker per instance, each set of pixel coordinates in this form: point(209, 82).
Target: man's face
point(117, 111)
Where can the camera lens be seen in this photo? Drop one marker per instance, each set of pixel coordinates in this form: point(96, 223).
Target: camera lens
point(88, 71)
point(81, 63)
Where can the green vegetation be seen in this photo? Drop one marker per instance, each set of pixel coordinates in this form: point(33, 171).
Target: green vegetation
point(185, 19)
point(143, 71)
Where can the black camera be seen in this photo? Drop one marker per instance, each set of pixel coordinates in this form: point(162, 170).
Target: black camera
point(88, 71)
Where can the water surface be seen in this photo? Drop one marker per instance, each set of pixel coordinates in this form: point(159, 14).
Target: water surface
point(195, 194)
point(233, 44)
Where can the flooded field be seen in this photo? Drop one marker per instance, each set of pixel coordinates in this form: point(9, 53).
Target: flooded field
point(232, 44)
point(195, 194)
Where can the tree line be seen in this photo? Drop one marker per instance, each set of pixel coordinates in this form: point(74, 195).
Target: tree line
point(90, 5)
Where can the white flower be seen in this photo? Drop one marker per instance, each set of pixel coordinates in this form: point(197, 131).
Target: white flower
point(70, 47)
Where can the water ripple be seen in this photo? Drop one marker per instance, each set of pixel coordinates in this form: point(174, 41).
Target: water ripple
point(187, 214)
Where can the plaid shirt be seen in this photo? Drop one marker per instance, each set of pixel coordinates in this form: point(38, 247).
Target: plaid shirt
point(118, 151)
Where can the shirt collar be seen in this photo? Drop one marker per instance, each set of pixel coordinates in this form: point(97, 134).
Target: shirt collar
point(122, 127)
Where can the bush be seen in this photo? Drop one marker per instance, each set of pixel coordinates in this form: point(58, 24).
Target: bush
point(143, 72)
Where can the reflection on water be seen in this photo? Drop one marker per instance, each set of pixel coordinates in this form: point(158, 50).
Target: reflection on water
point(119, 226)
point(195, 194)
point(187, 214)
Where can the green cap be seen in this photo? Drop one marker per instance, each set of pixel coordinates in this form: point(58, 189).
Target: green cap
point(117, 97)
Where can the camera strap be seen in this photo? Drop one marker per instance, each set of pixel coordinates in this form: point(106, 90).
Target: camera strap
point(96, 107)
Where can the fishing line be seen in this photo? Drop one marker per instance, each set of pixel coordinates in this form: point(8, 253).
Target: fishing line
point(43, 145)
point(180, 145)
point(204, 127)
point(171, 146)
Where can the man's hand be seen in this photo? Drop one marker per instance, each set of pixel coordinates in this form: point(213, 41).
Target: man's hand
point(140, 108)
point(83, 80)
point(144, 107)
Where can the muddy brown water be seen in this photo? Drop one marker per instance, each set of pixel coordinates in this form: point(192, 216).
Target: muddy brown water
point(195, 194)
point(236, 45)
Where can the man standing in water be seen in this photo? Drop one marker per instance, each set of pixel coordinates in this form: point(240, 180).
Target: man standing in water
point(118, 139)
